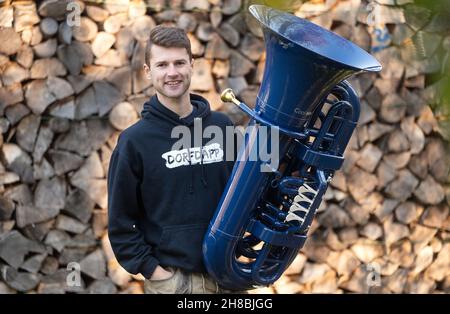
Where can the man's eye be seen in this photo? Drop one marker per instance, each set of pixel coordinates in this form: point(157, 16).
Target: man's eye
point(181, 62)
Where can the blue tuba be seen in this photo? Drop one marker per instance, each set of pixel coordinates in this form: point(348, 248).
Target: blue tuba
point(264, 214)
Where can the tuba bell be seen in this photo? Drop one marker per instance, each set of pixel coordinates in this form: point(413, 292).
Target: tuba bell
point(263, 217)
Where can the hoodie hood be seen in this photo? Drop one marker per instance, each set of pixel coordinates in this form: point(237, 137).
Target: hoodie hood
point(155, 109)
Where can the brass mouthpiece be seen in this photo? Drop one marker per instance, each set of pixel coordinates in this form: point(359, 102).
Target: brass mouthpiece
point(228, 96)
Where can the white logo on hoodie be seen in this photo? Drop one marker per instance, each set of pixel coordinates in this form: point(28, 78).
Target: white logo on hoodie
point(191, 156)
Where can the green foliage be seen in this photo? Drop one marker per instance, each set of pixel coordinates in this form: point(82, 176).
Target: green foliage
point(431, 20)
point(283, 5)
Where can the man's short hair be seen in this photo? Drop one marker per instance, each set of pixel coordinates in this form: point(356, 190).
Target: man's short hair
point(167, 36)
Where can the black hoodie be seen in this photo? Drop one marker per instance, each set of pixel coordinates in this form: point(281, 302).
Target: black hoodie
point(160, 199)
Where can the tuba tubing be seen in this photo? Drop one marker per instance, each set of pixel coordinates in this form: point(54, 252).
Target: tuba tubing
point(263, 217)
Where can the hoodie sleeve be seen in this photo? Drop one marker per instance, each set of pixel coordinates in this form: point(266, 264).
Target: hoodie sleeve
point(127, 241)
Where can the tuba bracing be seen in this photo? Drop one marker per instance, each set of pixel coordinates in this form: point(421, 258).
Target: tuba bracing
point(263, 217)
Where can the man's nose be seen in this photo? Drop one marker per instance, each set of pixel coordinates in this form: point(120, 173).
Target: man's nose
point(172, 70)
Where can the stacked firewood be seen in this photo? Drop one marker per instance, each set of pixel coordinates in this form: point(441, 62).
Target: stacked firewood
point(71, 80)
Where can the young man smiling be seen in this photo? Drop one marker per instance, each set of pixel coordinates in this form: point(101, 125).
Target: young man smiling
point(159, 210)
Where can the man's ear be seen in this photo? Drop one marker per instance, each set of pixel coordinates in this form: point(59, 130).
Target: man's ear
point(148, 73)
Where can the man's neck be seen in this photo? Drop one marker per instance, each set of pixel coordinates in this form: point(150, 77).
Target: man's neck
point(181, 106)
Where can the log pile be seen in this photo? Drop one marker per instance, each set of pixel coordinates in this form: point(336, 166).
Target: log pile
point(384, 225)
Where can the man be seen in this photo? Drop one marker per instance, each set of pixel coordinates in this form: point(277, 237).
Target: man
point(161, 199)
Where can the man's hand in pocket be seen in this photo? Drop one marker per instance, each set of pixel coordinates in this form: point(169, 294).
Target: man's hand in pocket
point(161, 274)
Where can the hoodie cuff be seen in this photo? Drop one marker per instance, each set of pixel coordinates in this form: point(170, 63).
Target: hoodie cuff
point(149, 268)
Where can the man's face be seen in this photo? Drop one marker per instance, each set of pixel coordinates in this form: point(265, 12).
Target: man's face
point(170, 71)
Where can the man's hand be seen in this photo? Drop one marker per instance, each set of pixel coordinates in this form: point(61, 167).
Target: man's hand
point(161, 274)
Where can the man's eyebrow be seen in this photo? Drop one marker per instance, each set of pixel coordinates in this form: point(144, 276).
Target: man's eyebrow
point(164, 61)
